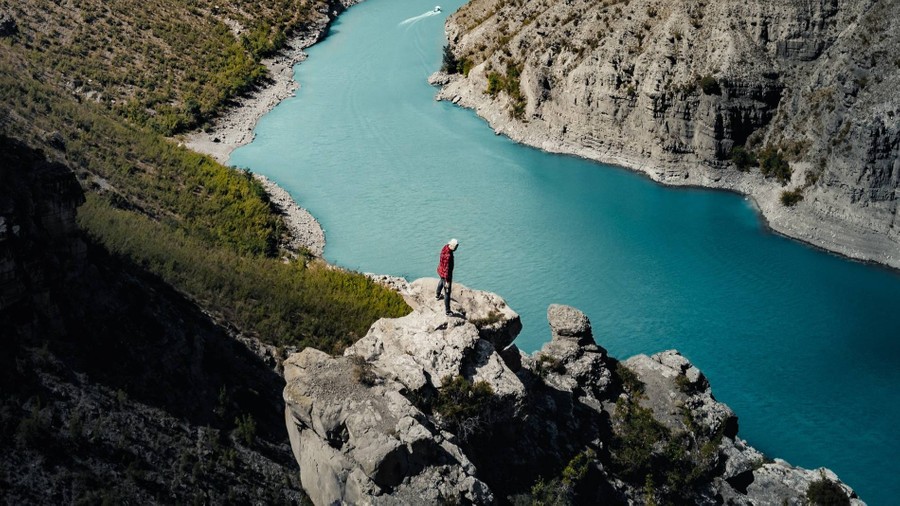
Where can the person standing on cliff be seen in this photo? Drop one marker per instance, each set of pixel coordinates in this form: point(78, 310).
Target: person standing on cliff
point(445, 271)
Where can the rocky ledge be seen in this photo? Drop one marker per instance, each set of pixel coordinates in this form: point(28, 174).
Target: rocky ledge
point(431, 409)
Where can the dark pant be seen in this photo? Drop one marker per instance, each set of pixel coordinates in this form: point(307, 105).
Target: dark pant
point(445, 283)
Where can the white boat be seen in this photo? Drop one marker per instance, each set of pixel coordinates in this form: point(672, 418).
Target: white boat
point(437, 8)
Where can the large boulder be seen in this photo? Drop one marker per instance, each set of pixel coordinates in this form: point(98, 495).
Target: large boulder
point(422, 348)
point(567, 322)
point(496, 322)
point(572, 362)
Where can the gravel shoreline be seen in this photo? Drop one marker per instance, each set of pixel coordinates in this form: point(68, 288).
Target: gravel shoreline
point(304, 230)
point(235, 127)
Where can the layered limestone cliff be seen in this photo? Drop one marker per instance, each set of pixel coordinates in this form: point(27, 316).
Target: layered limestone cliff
point(672, 88)
point(430, 409)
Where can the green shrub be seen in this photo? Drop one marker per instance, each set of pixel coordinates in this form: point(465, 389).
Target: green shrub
point(773, 164)
point(825, 492)
point(790, 198)
point(510, 84)
point(643, 449)
point(449, 63)
point(710, 85)
point(465, 407)
point(245, 429)
point(548, 363)
point(578, 467)
point(630, 382)
point(683, 384)
point(492, 317)
point(743, 158)
point(362, 371)
point(495, 84)
point(635, 434)
point(294, 303)
point(549, 493)
point(466, 65)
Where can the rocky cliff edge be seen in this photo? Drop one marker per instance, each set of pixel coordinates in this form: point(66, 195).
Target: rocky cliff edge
point(434, 409)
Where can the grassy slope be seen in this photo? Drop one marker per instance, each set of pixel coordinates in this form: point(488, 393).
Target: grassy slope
point(68, 86)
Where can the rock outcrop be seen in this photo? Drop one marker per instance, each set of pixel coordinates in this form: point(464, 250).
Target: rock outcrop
point(354, 428)
point(428, 408)
point(672, 88)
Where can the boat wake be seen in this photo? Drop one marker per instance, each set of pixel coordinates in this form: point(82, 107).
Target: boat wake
point(415, 19)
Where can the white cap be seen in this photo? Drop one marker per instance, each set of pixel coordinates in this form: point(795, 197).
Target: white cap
point(453, 244)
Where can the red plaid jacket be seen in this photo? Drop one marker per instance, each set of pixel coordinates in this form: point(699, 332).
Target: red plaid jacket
point(445, 267)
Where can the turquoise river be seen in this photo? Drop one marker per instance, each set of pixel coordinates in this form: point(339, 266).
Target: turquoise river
point(803, 345)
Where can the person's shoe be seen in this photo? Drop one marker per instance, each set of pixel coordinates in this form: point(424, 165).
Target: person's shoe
point(449, 313)
point(439, 297)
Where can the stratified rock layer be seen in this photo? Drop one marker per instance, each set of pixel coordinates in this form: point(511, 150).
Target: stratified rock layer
point(670, 88)
point(364, 427)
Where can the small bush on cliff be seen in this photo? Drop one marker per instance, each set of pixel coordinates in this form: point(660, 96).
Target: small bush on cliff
point(790, 198)
point(492, 317)
point(245, 429)
point(495, 84)
point(510, 84)
point(825, 492)
point(710, 85)
point(578, 467)
point(546, 493)
point(684, 384)
point(362, 371)
point(449, 63)
point(636, 434)
point(743, 158)
point(675, 461)
point(630, 382)
point(564, 489)
point(465, 407)
point(773, 164)
point(548, 363)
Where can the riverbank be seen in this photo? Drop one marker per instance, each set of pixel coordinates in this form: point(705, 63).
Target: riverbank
point(304, 230)
point(813, 221)
point(235, 128)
